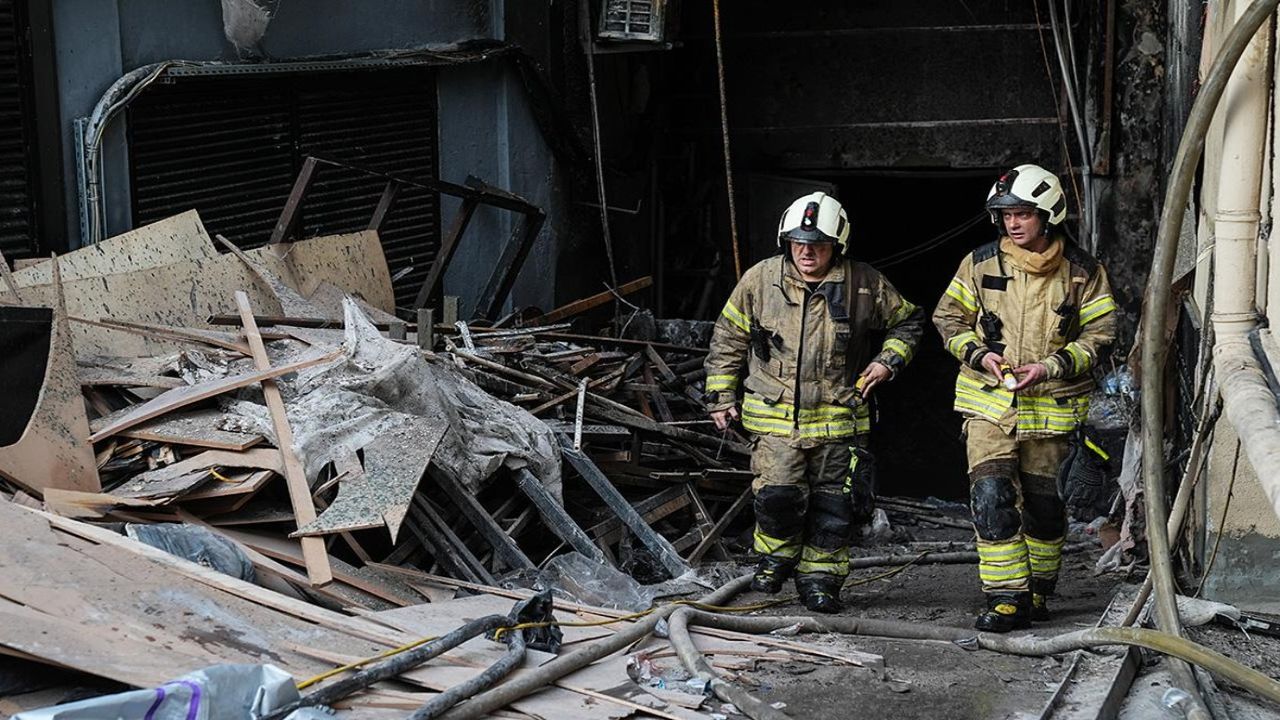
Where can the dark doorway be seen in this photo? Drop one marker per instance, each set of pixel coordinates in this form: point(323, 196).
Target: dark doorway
point(915, 226)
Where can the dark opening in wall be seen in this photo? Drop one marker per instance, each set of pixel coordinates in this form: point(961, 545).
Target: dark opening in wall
point(915, 227)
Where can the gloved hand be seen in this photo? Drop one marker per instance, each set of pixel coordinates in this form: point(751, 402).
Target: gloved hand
point(1082, 479)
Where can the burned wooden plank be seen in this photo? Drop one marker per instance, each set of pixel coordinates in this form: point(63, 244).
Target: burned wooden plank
point(651, 509)
point(577, 307)
point(554, 514)
point(711, 537)
point(293, 205)
point(509, 263)
point(484, 524)
point(656, 544)
point(445, 254)
point(313, 549)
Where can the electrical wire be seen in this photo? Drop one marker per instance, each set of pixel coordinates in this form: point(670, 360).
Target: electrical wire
point(588, 50)
point(1086, 159)
point(1226, 506)
point(724, 132)
point(932, 243)
point(1057, 110)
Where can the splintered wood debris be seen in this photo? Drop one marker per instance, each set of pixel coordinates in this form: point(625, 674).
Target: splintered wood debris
point(498, 454)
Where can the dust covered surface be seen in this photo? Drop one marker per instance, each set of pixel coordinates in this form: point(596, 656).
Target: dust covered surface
point(930, 679)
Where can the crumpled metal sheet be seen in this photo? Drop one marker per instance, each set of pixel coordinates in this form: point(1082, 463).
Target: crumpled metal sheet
point(403, 410)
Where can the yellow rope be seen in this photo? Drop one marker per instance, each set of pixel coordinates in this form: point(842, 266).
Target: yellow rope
point(526, 626)
point(886, 574)
point(360, 663)
point(597, 623)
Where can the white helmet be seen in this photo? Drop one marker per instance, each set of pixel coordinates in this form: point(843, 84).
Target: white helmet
point(1028, 186)
point(815, 218)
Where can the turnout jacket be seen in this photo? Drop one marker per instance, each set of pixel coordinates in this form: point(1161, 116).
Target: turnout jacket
point(803, 349)
point(1053, 308)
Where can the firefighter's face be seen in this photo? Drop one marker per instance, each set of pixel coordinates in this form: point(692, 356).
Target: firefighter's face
point(812, 259)
point(1024, 227)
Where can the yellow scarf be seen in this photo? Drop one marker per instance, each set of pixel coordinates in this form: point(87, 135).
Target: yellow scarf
point(1033, 262)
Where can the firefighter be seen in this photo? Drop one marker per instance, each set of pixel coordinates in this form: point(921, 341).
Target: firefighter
point(796, 336)
point(1029, 316)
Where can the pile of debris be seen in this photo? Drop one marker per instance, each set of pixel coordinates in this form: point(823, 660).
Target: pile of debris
point(331, 454)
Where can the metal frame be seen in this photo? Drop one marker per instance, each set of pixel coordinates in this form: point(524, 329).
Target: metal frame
point(473, 194)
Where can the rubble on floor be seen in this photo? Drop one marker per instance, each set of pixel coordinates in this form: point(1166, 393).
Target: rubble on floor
point(405, 475)
point(219, 467)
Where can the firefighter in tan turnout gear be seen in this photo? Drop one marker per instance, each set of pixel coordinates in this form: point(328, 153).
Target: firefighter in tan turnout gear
point(796, 337)
point(1028, 316)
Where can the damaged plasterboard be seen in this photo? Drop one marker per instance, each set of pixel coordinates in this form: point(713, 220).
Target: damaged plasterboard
point(185, 396)
point(394, 461)
point(388, 399)
point(46, 431)
point(292, 304)
point(178, 239)
point(197, 428)
point(186, 293)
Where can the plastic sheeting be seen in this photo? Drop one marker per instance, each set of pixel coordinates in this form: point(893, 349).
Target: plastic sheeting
point(393, 403)
point(220, 692)
point(197, 544)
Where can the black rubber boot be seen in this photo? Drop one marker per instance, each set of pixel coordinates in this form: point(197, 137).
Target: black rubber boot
point(771, 573)
point(1005, 612)
point(1039, 607)
point(820, 592)
point(1041, 590)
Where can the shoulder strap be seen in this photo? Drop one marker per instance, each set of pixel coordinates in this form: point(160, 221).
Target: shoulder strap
point(986, 252)
point(1082, 263)
point(857, 275)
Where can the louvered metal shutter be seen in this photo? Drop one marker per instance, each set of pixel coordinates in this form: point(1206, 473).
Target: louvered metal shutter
point(231, 148)
point(17, 216)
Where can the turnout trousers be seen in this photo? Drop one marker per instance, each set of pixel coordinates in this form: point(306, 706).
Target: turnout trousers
point(1019, 519)
point(805, 504)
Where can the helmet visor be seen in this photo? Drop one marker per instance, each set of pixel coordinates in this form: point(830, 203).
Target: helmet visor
point(1009, 200)
point(806, 236)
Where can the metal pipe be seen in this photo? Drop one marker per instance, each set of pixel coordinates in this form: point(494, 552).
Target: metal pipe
point(131, 84)
point(1158, 304)
point(1077, 122)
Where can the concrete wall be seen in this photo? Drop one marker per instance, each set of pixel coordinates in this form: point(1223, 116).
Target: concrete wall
point(1244, 570)
point(485, 128)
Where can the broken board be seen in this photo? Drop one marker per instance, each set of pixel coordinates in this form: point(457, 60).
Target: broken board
point(197, 428)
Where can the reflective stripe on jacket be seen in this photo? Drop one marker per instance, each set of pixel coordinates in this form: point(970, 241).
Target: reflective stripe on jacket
point(1054, 308)
point(807, 338)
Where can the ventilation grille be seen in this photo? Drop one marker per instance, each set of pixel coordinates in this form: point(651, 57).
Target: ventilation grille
point(232, 147)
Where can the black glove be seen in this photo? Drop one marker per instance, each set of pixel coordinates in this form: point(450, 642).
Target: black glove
point(1082, 479)
point(860, 486)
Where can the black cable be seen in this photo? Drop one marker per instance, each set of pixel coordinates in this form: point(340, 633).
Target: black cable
point(393, 666)
point(502, 667)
